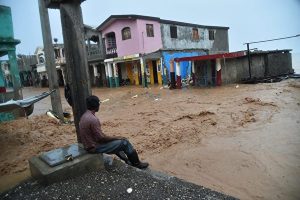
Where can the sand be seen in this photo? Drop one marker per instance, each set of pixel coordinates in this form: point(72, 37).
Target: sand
point(243, 141)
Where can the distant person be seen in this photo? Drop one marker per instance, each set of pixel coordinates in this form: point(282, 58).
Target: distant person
point(68, 95)
point(95, 141)
point(44, 81)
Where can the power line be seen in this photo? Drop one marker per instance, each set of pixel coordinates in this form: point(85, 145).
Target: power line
point(273, 39)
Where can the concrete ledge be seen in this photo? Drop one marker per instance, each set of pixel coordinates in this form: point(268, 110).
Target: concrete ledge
point(46, 174)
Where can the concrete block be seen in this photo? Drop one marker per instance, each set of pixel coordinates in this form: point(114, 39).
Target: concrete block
point(46, 174)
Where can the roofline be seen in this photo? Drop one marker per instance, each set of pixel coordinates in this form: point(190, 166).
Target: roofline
point(130, 16)
point(163, 21)
point(271, 51)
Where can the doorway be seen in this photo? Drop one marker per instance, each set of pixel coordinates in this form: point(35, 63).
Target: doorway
point(154, 66)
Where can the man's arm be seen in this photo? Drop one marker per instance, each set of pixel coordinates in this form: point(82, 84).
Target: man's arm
point(101, 137)
point(106, 138)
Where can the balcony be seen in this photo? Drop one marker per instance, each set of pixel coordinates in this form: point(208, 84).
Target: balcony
point(111, 52)
point(60, 60)
point(95, 53)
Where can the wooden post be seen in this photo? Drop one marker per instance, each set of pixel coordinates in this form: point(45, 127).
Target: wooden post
point(76, 57)
point(50, 62)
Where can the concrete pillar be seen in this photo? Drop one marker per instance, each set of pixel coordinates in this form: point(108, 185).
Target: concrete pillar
point(172, 75)
point(95, 74)
point(76, 57)
point(116, 75)
point(136, 73)
point(50, 60)
point(218, 68)
point(144, 76)
point(106, 74)
point(63, 70)
point(178, 75)
point(163, 72)
point(95, 70)
point(110, 77)
point(193, 72)
point(61, 56)
point(14, 71)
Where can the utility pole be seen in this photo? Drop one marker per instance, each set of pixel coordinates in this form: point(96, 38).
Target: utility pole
point(249, 60)
point(50, 62)
point(76, 55)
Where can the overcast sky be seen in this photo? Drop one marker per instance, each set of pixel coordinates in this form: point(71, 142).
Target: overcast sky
point(248, 20)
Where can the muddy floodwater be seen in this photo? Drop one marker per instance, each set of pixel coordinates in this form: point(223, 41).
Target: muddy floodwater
point(241, 140)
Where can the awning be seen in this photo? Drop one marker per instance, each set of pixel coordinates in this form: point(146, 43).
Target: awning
point(212, 57)
point(123, 58)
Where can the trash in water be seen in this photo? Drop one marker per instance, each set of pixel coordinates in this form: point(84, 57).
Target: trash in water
point(51, 114)
point(105, 100)
point(135, 96)
point(237, 86)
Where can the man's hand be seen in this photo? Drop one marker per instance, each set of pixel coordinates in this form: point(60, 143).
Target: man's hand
point(112, 138)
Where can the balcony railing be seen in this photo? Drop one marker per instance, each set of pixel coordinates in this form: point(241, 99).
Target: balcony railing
point(95, 54)
point(60, 60)
point(111, 52)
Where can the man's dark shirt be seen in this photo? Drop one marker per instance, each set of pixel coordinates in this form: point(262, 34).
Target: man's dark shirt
point(90, 130)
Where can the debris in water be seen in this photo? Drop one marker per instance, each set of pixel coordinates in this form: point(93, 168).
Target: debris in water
point(129, 190)
point(105, 100)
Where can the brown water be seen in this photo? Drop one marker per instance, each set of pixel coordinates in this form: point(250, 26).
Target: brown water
point(243, 141)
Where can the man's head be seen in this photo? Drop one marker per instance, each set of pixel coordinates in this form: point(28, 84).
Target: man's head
point(93, 103)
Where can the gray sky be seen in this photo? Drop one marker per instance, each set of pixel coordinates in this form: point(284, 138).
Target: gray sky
point(248, 20)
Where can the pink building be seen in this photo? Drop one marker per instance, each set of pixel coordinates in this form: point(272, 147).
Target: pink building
point(131, 36)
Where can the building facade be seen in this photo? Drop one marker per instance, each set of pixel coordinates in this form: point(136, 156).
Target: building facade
point(139, 48)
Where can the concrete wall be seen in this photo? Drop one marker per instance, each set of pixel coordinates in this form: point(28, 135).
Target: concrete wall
point(262, 65)
point(236, 69)
point(185, 40)
point(221, 43)
point(279, 63)
point(149, 44)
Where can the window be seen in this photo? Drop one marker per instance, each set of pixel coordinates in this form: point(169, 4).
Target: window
point(173, 31)
point(126, 33)
point(111, 40)
point(195, 34)
point(149, 29)
point(211, 34)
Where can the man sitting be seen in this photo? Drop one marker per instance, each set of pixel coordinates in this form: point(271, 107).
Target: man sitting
point(95, 141)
